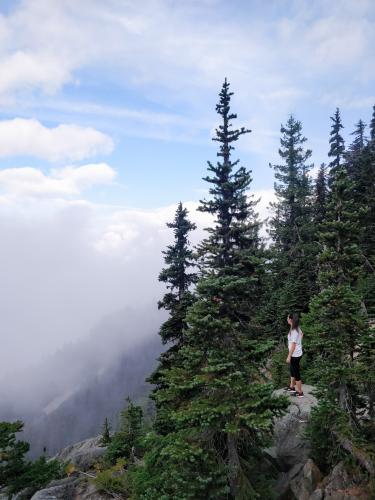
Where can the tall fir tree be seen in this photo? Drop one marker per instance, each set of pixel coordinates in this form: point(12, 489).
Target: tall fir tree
point(224, 417)
point(106, 432)
point(179, 258)
point(359, 140)
point(337, 147)
point(321, 192)
point(178, 276)
point(372, 127)
point(361, 169)
point(354, 153)
point(293, 259)
point(336, 328)
point(126, 442)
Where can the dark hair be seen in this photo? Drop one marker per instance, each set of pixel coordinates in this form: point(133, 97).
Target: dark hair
point(295, 320)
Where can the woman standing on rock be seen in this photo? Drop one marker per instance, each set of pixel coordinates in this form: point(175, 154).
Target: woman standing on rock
point(294, 356)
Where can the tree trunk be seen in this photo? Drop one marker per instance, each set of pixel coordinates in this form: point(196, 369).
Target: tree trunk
point(233, 465)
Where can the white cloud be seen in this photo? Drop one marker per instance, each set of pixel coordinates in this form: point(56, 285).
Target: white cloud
point(68, 181)
point(69, 263)
point(65, 142)
point(179, 56)
point(22, 70)
point(194, 39)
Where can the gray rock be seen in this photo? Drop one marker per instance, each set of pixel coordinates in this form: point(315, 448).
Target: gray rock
point(282, 486)
point(84, 454)
point(24, 494)
point(317, 494)
point(289, 446)
point(72, 488)
point(300, 482)
point(306, 481)
point(340, 485)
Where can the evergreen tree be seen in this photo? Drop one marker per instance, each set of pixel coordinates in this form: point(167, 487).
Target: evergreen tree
point(372, 127)
point(106, 434)
point(179, 259)
point(12, 452)
point(225, 409)
point(335, 326)
point(17, 473)
point(293, 259)
point(320, 205)
point(359, 140)
point(354, 155)
point(127, 441)
point(236, 226)
point(337, 147)
point(361, 169)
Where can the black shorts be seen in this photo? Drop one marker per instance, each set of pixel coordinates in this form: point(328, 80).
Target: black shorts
point(294, 368)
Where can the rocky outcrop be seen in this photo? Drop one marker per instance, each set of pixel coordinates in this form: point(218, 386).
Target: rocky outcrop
point(299, 477)
point(72, 488)
point(300, 482)
point(83, 455)
point(340, 485)
point(290, 448)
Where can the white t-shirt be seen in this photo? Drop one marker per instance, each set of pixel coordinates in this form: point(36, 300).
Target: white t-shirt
point(295, 336)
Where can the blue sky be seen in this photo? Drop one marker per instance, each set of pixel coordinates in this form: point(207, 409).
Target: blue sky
point(148, 76)
point(107, 109)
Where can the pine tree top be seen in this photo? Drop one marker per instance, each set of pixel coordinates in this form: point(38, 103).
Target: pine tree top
point(359, 141)
point(292, 151)
point(340, 233)
point(223, 133)
point(236, 227)
point(337, 144)
point(372, 126)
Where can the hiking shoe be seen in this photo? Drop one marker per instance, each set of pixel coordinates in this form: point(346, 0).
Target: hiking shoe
point(298, 394)
point(290, 389)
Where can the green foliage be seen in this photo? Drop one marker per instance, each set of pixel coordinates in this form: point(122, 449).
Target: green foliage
point(126, 442)
point(372, 126)
point(337, 147)
point(113, 480)
point(179, 467)
point(12, 452)
point(217, 408)
point(37, 475)
point(323, 420)
point(106, 435)
point(337, 333)
point(179, 258)
point(361, 170)
point(16, 473)
point(292, 261)
point(321, 196)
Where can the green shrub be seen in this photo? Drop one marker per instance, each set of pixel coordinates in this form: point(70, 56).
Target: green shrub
point(112, 480)
point(16, 473)
point(37, 475)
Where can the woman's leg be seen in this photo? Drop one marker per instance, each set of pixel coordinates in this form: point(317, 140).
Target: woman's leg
point(297, 374)
point(292, 375)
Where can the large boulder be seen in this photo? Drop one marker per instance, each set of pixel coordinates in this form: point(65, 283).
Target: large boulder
point(289, 447)
point(299, 482)
point(83, 455)
point(72, 488)
point(305, 483)
point(342, 485)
